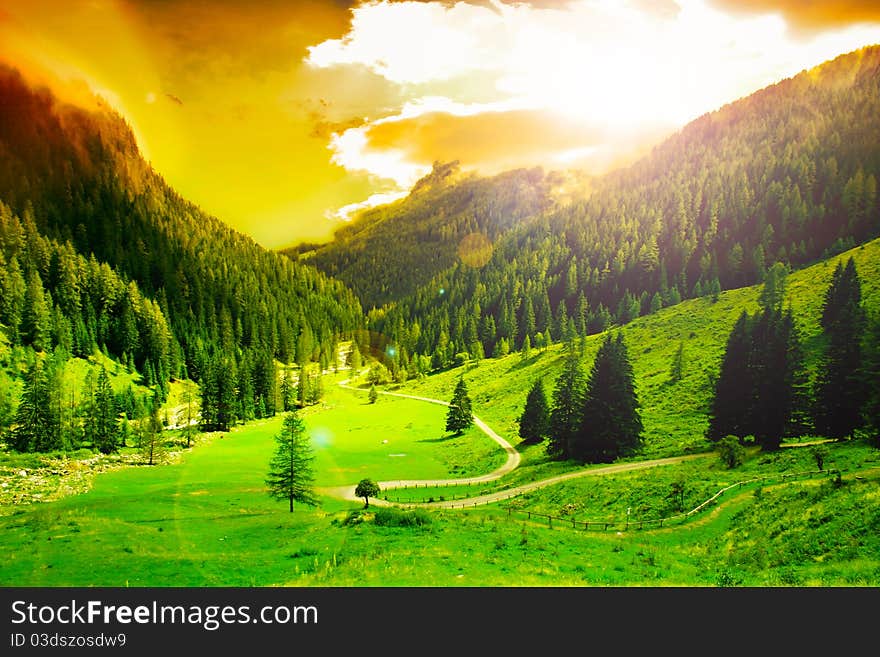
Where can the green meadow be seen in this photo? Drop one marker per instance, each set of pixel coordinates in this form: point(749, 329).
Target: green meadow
point(207, 520)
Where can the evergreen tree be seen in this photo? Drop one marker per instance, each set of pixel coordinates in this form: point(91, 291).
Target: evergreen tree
point(526, 348)
point(286, 392)
point(676, 370)
point(37, 318)
point(37, 419)
point(733, 388)
point(29, 418)
point(150, 436)
point(459, 416)
point(534, 423)
point(102, 420)
point(761, 388)
point(773, 290)
point(610, 425)
point(373, 395)
point(777, 377)
point(189, 412)
point(840, 391)
point(871, 377)
point(291, 474)
point(565, 413)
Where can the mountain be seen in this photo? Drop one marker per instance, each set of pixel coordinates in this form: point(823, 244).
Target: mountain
point(388, 252)
point(90, 223)
point(787, 174)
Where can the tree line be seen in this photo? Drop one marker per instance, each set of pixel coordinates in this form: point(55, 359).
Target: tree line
point(710, 209)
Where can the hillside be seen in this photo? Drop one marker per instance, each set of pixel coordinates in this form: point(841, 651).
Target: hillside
point(787, 174)
point(74, 177)
point(389, 252)
point(674, 413)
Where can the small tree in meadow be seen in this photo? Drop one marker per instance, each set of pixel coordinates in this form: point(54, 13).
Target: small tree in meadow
point(373, 396)
point(291, 476)
point(367, 488)
point(459, 416)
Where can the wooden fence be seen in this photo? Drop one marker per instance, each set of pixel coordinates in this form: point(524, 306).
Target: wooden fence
point(613, 525)
point(628, 524)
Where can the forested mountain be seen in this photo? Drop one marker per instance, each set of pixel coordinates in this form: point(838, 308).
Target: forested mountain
point(388, 252)
point(91, 236)
point(787, 174)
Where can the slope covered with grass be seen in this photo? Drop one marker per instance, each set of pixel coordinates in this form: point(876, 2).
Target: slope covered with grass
point(674, 413)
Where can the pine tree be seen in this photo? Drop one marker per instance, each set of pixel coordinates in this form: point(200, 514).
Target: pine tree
point(188, 414)
point(534, 423)
point(565, 413)
point(373, 395)
point(840, 392)
point(776, 370)
point(286, 392)
point(761, 388)
point(526, 352)
point(733, 388)
point(610, 425)
point(29, 419)
point(101, 425)
point(291, 474)
point(150, 437)
point(676, 370)
point(459, 416)
point(871, 377)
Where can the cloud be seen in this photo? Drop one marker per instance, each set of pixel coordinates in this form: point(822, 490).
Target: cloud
point(809, 16)
point(402, 150)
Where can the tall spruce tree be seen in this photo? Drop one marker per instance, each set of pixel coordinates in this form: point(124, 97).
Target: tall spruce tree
point(777, 375)
point(459, 416)
point(151, 439)
point(101, 426)
point(733, 388)
point(840, 392)
point(610, 425)
point(871, 377)
point(565, 413)
point(291, 474)
point(534, 423)
point(761, 388)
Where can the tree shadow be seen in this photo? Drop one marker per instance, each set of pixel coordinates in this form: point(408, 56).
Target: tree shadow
point(442, 439)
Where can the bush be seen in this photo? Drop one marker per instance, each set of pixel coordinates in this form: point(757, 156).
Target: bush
point(392, 517)
point(730, 451)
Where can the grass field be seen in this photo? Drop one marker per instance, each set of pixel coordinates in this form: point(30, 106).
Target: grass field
point(674, 414)
point(207, 520)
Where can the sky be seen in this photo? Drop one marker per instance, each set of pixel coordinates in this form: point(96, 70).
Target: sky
point(283, 118)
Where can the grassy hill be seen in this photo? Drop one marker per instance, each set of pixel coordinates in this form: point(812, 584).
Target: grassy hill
point(207, 520)
point(674, 414)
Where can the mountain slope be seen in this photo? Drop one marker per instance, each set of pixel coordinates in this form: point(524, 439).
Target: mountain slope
point(674, 412)
point(388, 252)
point(788, 174)
point(76, 176)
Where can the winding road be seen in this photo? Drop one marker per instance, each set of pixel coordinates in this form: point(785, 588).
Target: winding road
point(512, 462)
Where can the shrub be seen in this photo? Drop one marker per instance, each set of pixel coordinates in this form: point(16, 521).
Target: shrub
point(730, 451)
point(392, 517)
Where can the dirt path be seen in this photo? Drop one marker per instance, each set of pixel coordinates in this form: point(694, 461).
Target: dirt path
point(513, 461)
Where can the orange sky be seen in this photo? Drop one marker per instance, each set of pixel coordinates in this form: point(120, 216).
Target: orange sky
point(279, 117)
